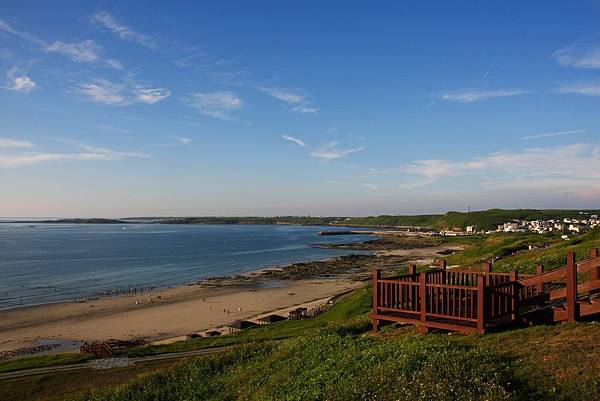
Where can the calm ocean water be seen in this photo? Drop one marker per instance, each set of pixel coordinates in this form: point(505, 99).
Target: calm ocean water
point(41, 263)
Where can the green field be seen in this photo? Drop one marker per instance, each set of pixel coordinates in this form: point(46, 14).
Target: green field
point(482, 220)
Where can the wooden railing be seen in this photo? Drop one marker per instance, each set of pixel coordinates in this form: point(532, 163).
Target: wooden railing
point(427, 296)
point(473, 301)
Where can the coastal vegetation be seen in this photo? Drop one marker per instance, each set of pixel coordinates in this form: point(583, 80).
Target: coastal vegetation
point(482, 220)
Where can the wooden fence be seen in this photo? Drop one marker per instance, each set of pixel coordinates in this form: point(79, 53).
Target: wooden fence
point(476, 301)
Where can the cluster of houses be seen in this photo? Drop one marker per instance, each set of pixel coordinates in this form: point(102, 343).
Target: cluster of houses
point(566, 226)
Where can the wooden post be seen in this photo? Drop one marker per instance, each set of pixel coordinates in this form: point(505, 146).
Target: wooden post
point(412, 270)
point(423, 296)
point(571, 304)
point(443, 266)
point(487, 269)
point(595, 273)
point(539, 269)
point(514, 278)
point(481, 304)
point(376, 277)
point(540, 287)
point(412, 291)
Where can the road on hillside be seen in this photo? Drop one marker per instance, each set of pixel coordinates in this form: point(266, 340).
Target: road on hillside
point(108, 363)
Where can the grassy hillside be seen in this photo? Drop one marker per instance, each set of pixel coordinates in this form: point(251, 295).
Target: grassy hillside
point(483, 220)
point(386, 220)
point(511, 252)
point(342, 361)
point(335, 357)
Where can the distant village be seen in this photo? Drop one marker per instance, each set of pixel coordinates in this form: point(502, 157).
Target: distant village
point(565, 226)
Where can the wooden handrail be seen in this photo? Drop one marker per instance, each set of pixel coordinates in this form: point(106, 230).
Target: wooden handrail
point(581, 288)
point(392, 281)
point(451, 286)
point(550, 275)
point(588, 265)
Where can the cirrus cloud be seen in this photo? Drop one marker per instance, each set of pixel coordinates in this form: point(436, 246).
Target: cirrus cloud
point(121, 93)
point(583, 54)
point(214, 104)
point(474, 95)
point(17, 153)
point(324, 152)
point(124, 32)
point(299, 101)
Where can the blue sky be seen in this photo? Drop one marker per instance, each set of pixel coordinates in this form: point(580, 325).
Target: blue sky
point(267, 108)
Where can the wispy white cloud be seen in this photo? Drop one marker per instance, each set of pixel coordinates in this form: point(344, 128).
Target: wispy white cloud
point(9, 143)
point(297, 141)
point(325, 152)
point(6, 27)
point(582, 88)
point(584, 53)
point(16, 156)
point(553, 134)
point(121, 93)
point(85, 51)
point(151, 95)
point(299, 101)
point(576, 165)
point(124, 32)
point(304, 109)
point(214, 104)
point(183, 140)
point(19, 82)
point(330, 152)
point(474, 95)
point(104, 92)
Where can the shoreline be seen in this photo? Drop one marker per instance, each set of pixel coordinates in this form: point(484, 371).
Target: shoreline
point(195, 307)
point(261, 271)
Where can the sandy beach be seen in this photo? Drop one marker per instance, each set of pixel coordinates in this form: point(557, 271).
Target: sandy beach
point(178, 311)
point(194, 308)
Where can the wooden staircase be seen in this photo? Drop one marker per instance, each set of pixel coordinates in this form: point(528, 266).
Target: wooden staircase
point(572, 292)
point(586, 307)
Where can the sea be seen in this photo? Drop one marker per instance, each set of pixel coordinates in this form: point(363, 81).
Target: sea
point(49, 263)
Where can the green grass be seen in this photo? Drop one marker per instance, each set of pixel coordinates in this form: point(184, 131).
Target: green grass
point(330, 366)
point(483, 220)
point(336, 363)
point(511, 251)
point(43, 361)
point(334, 357)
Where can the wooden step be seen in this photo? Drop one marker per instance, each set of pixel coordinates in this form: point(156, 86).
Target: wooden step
point(589, 308)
